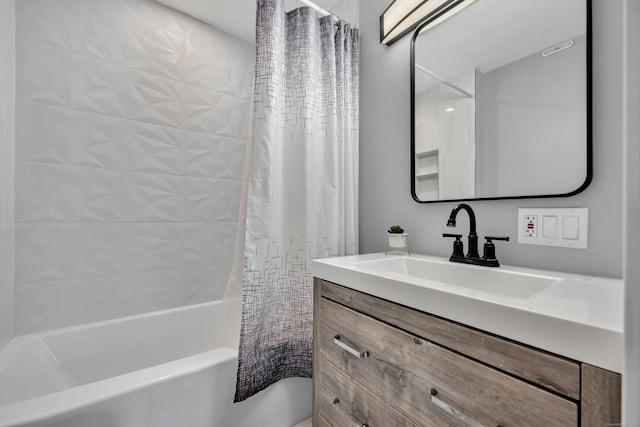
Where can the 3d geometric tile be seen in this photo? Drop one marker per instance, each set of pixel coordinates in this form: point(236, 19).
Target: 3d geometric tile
point(205, 283)
point(213, 156)
point(215, 112)
point(62, 136)
point(211, 199)
point(209, 243)
point(55, 193)
point(86, 250)
point(150, 148)
point(131, 128)
point(54, 304)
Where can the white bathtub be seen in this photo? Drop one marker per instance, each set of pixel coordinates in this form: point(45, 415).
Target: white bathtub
point(151, 370)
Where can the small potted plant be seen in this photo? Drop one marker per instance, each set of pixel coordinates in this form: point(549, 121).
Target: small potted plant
point(397, 237)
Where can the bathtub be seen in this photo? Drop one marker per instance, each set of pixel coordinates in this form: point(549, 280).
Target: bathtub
point(152, 370)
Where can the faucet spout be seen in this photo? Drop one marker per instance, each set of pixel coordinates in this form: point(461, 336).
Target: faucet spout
point(473, 236)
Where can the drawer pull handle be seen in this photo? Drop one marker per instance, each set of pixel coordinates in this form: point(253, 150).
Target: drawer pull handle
point(453, 411)
point(344, 414)
point(337, 341)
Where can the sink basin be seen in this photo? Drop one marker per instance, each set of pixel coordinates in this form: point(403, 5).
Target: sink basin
point(484, 279)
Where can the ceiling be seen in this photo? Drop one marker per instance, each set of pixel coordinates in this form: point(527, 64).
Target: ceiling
point(236, 17)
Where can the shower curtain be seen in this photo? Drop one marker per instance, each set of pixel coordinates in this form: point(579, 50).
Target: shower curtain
point(303, 184)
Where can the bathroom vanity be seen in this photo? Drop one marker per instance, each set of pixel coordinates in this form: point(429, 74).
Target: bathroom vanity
point(419, 341)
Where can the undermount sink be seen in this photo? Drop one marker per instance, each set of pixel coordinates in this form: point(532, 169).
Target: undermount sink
point(491, 280)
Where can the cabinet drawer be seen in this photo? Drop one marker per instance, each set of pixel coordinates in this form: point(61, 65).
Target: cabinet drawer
point(342, 402)
point(322, 422)
point(549, 371)
point(405, 370)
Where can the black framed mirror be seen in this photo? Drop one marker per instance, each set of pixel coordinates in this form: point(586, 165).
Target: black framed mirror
point(501, 102)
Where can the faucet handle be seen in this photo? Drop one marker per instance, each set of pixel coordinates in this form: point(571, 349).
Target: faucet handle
point(457, 236)
point(458, 248)
point(490, 239)
point(490, 250)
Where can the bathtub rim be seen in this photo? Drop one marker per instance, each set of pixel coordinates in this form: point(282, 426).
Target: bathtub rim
point(21, 339)
point(53, 404)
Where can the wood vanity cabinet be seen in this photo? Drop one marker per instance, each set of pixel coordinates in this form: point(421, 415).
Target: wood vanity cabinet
point(381, 364)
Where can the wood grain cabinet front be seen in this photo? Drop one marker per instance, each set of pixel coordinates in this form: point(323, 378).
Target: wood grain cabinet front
point(344, 402)
point(381, 370)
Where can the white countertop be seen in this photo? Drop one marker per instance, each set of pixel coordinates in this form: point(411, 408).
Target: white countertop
point(579, 317)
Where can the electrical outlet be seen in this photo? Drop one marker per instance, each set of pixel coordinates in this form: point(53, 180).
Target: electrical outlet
point(531, 226)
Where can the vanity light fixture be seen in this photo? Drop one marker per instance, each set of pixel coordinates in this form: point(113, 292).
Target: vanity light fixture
point(449, 110)
point(403, 16)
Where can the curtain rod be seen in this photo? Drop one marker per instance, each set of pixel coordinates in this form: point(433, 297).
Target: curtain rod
point(443, 81)
point(315, 6)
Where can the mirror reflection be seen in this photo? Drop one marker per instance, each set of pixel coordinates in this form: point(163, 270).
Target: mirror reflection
point(500, 102)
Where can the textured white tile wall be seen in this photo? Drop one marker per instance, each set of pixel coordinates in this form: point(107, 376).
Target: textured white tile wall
point(7, 86)
point(131, 121)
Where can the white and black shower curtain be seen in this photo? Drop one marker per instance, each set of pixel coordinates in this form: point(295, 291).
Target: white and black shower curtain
point(303, 184)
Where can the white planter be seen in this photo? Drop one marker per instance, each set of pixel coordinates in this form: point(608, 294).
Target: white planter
point(397, 240)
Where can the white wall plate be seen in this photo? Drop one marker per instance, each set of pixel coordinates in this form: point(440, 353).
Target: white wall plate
point(565, 227)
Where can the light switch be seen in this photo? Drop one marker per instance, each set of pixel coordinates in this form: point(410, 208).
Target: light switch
point(571, 227)
point(550, 226)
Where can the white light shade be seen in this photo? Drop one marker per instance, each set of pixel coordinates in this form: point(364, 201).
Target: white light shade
point(402, 16)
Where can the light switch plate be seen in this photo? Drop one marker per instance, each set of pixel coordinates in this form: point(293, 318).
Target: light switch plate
point(550, 226)
point(564, 227)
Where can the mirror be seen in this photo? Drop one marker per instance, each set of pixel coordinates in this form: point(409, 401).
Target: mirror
point(501, 101)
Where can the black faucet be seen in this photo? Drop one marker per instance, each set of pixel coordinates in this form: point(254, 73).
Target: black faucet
point(473, 257)
point(473, 236)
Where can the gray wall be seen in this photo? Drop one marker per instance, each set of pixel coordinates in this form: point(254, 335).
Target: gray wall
point(533, 129)
point(7, 63)
point(385, 169)
point(631, 377)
